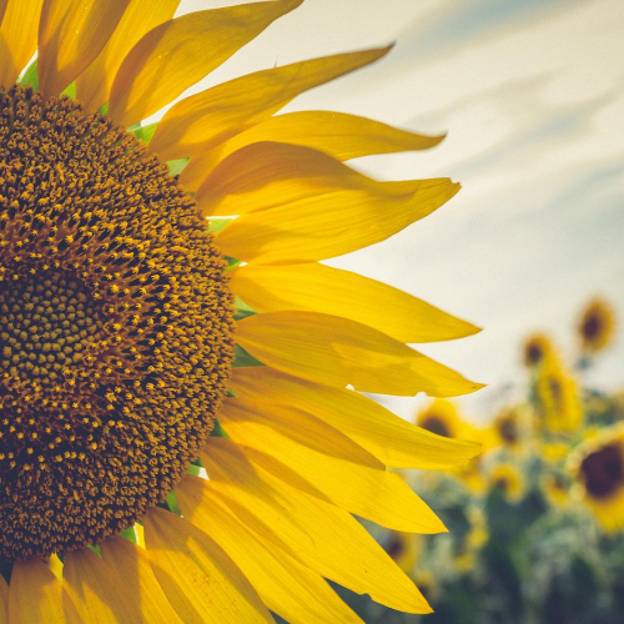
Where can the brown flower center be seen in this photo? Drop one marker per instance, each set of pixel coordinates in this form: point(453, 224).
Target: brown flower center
point(115, 327)
point(603, 471)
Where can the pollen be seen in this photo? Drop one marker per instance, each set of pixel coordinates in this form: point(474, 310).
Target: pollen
point(116, 330)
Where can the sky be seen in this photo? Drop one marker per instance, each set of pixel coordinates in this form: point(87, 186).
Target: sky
point(531, 96)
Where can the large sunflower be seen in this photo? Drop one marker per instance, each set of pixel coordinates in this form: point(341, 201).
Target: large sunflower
point(126, 322)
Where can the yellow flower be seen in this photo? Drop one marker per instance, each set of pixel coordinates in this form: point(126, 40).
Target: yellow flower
point(442, 418)
point(598, 468)
point(597, 326)
point(555, 489)
point(560, 405)
point(118, 328)
point(508, 428)
point(508, 478)
point(537, 348)
point(404, 550)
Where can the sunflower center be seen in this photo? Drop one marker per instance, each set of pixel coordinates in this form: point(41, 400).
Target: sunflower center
point(603, 471)
point(115, 327)
point(508, 430)
point(592, 327)
point(435, 424)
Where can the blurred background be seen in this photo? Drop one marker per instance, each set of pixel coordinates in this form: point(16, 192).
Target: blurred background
point(530, 94)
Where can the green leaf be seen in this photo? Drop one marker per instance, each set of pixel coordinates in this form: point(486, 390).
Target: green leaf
point(216, 224)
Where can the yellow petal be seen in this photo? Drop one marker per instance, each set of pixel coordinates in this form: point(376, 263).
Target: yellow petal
point(339, 352)
point(36, 596)
point(276, 440)
point(207, 118)
point(199, 579)
point(71, 34)
point(180, 52)
point(318, 288)
point(18, 38)
point(119, 588)
point(394, 441)
point(94, 84)
point(4, 601)
point(287, 587)
point(319, 207)
point(340, 135)
point(3, 6)
point(322, 537)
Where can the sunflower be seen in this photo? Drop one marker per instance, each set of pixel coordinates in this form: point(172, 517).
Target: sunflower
point(404, 549)
point(555, 489)
point(133, 490)
point(536, 349)
point(507, 478)
point(596, 327)
point(442, 418)
point(508, 428)
point(598, 469)
point(559, 403)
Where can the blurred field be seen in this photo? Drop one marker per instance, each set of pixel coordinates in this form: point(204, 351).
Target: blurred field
point(537, 521)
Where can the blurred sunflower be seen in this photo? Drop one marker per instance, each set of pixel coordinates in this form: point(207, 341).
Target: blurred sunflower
point(537, 348)
point(118, 328)
point(598, 468)
point(442, 418)
point(559, 403)
point(507, 478)
point(404, 550)
point(555, 489)
point(508, 428)
point(597, 326)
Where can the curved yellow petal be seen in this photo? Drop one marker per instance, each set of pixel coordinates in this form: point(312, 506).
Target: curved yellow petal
point(118, 588)
point(340, 135)
point(71, 34)
point(319, 207)
point(94, 84)
point(4, 601)
point(339, 352)
point(36, 596)
point(265, 175)
point(287, 587)
point(207, 118)
point(199, 579)
point(275, 439)
point(180, 52)
point(394, 441)
point(319, 288)
point(322, 537)
point(18, 38)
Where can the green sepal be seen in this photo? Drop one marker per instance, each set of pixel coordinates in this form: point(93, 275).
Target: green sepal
point(176, 167)
point(30, 78)
point(243, 359)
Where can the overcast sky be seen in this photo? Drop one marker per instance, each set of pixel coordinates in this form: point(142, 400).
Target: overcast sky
point(531, 94)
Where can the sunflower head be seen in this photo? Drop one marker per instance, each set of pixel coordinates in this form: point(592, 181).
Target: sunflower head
point(404, 548)
point(559, 404)
point(537, 348)
point(596, 327)
point(598, 470)
point(108, 283)
point(508, 428)
point(442, 418)
point(556, 489)
point(507, 479)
